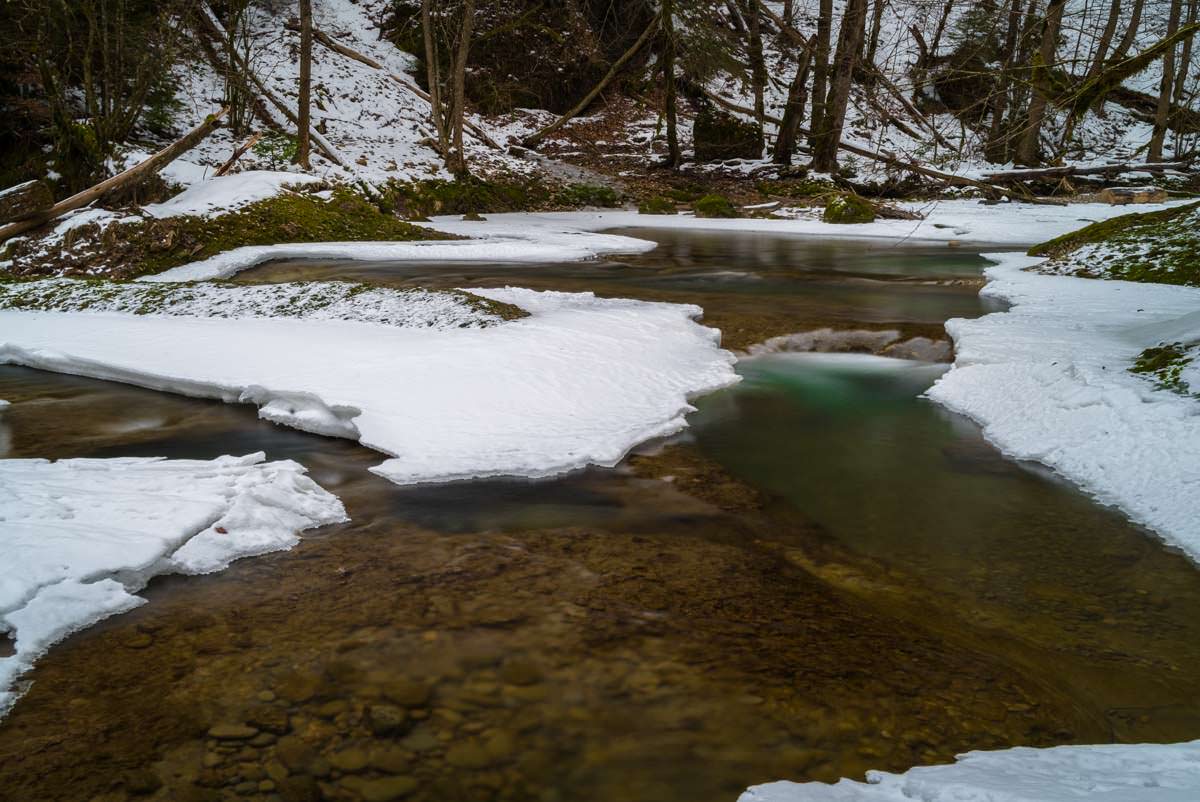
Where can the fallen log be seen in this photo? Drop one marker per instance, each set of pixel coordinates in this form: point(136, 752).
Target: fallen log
point(533, 139)
point(327, 41)
point(1063, 171)
point(217, 31)
point(24, 200)
point(893, 160)
point(237, 154)
point(122, 180)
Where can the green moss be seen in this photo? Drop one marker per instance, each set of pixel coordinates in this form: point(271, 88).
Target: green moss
point(1159, 247)
point(795, 188)
point(220, 299)
point(714, 206)
point(848, 210)
point(657, 205)
point(129, 250)
point(577, 195)
point(1166, 363)
point(423, 199)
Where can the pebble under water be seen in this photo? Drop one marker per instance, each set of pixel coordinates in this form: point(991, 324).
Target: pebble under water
point(825, 574)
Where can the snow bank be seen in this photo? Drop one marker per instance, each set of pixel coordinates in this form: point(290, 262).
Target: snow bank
point(229, 192)
point(580, 381)
point(1108, 773)
point(960, 220)
point(81, 536)
point(499, 242)
point(1049, 381)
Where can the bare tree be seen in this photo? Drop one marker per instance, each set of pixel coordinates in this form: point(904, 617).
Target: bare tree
point(1029, 144)
point(758, 67)
point(793, 112)
point(850, 41)
point(821, 70)
point(1165, 88)
point(305, 103)
point(1131, 31)
point(439, 28)
point(996, 149)
point(674, 156)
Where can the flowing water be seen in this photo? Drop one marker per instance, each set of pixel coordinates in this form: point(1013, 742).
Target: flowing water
point(825, 574)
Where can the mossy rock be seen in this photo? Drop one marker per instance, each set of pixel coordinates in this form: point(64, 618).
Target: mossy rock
point(795, 188)
point(1157, 247)
point(128, 250)
point(718, 136)
point(657, 205)
point(848, 210)
point(577, 195)
point(714, 206)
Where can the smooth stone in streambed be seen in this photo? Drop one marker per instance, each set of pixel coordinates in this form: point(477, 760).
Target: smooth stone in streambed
point(350, 759)
point(520, 671)
point(232, 732)
point(392, 759)
point(386, 719)
point(387, 788)
point(406, 692)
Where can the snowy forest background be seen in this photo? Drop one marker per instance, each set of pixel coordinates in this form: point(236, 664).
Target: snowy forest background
point(404, 90)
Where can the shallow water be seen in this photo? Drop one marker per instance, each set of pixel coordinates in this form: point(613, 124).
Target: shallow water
point(825, 574)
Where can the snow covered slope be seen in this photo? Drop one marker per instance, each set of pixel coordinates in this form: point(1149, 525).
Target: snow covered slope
point(1049, 380)
point(81, 536)
point(1108, 773)
point(579, 381)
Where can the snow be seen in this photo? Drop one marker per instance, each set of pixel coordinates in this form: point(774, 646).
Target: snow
point(1049, 381)
point(517, 240)
point(315, 300)
point(579, 381)
point(81, 536)
point(1105, 773)
point(226, 193)
point(964, 221)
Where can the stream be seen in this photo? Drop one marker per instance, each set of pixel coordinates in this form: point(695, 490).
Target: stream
point(824, 574)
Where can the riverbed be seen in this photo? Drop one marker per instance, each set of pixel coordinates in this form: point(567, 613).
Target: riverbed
point(826, 573)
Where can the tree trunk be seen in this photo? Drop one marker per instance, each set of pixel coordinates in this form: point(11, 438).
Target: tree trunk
point(793, 113)
point(789, 11)
point(821, 71)
point(433, 76)
point(674, 156)
point(1106, 37)
point(936, 44)
point(1166, 85)
point(1029, 145)
point(850, 41)
point(1130, 36)
point(24, 201)
point(457, 162)
point(122, 180)
point(758, 67)
point(533, 139)
point(877, 7)
point(1185, 59)
point(303, 112)
point(996, 149)
point(237, 154)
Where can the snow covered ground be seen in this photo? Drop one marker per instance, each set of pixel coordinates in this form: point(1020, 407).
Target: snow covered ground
point(81, 536)
point(963, 221)
point(1049, 381)
point(579, 381)
point(1109, 773)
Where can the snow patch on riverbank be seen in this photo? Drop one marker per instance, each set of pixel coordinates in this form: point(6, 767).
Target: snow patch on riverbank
point(514, 242)
point(1049, 380)
point(81, 536)
point(579, 381)
point(964, 221)
point(1106, 773)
